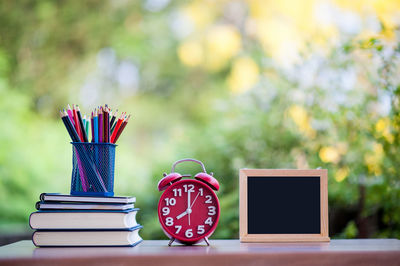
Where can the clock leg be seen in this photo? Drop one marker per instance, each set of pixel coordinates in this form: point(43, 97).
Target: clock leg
point(171, 241)
point(206, 240)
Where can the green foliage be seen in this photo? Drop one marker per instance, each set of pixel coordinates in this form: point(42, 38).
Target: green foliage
point(55, 52)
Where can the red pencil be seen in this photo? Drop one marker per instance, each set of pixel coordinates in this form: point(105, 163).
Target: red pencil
point(121, 129)
point(77, 126)
point(119, 122)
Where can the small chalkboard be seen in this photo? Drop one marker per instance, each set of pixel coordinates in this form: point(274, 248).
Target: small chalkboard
point(278, 205)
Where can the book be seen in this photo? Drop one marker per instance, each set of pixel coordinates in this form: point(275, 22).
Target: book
point(79, 219)
point(48, 205)
point(87, 238)
point(72, 198)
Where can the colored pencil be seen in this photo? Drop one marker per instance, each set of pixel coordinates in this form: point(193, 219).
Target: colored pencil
point(104, 124)
point(81, 124)
point(77, 125)
point(66, 121)
point(84, 123)
point(92, 126)
point(107, 125)
point(96, 127)
point(101, 124)
point(113, 119)
point(87, 128)
point(114, 134)
point(121, 129)
point(70, 115)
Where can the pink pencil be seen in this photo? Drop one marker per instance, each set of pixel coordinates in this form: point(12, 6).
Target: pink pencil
point(70, 115)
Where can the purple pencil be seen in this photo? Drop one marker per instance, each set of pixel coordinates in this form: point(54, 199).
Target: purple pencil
point(92, 126)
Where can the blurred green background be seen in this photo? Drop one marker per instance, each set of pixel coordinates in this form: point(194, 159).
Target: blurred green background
point(235, 84)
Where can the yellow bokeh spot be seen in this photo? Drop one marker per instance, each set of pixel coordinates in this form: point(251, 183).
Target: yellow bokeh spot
point(222, 43)
point(302, 120)
point(280, 39)
point(342, 174)
point(374, 160)
point(378, 149)
point(201, 13)
point(388, 12)
point(382, 127)
point(329, 154)
point(244, 75)
point(191, 53)
point(382, 124)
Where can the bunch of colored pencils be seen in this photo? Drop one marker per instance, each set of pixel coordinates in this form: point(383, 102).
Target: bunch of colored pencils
point(104, 124)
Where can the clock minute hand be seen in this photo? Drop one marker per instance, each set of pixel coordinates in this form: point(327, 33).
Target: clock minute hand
point(188, 206)
point(188, 200)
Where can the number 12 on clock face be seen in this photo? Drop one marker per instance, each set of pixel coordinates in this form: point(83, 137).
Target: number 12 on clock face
point(189, 211)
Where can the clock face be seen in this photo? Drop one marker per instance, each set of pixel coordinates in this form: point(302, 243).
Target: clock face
point(189, 210)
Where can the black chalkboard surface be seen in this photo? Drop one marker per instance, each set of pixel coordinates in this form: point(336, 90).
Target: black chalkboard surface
point(281, 205)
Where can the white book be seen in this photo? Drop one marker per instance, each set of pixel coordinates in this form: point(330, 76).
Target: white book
point(86, 238)
point(68, 219)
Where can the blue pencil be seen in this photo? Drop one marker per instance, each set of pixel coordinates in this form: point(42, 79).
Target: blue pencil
point(96, 128)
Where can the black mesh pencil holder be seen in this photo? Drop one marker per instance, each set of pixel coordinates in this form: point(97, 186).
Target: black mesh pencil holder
point(93, 169)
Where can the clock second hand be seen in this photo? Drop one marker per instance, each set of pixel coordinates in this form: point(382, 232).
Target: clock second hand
point(194, 200)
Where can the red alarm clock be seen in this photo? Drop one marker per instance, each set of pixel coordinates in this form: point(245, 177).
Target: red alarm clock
point(188, 209)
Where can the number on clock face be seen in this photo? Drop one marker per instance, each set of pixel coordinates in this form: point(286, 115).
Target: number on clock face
point(188, 210)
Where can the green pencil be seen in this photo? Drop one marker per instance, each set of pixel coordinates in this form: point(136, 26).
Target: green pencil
point(87, 127)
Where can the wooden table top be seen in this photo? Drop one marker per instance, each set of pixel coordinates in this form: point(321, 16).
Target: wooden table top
point(221, 252)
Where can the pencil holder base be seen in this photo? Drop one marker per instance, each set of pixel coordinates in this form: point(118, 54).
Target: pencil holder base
point(93, 169)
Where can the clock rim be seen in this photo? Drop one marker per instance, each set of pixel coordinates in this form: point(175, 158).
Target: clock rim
point(186, 240)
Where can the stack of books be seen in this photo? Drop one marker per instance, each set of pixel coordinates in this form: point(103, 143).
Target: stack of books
point(67, 220)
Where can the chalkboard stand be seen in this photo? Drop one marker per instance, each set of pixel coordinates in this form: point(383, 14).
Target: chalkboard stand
point(288, 175)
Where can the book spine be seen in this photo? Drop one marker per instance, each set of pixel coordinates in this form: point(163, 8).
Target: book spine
point(41, 197)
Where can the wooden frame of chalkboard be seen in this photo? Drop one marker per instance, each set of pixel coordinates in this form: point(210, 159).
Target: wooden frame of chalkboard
point(308, 187)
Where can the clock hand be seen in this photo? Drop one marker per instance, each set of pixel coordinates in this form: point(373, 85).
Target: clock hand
point(189, 211)
point(194, 200)
point(188, 205)
point(188, 201)
point(181, 215)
